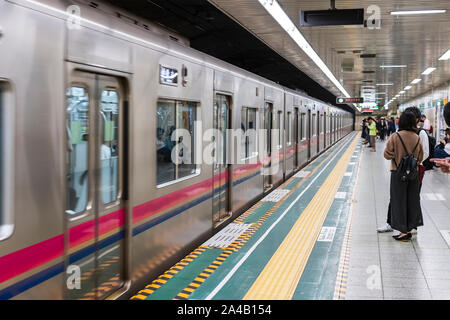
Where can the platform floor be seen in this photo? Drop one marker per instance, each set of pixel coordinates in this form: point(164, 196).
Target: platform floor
point(381, 268)
point(315, 238)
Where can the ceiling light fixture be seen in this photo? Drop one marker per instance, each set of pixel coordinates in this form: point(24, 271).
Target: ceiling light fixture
point(415, 81)
point(274, 9)
point(393, 66)
point(385, 84)
point(402, 92)
point(428, 71)
point(445, 56)
point(407, 88)
point(411, 12)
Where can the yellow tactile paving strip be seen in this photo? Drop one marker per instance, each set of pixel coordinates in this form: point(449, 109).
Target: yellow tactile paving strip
point(280, 277)
point(162, 279)
point(342, 276)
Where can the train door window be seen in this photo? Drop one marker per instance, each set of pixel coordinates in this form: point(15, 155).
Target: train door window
point(109, 152)
point(280, 128)
point(179, 163)
point(314, 124)
point(6, 162)
point(248, 126)
point(303, 127)
point(77, 126)
point(321, 124)
point(288, 129)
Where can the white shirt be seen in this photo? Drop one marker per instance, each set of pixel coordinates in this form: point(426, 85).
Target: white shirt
point(447, 147)
point(426, 124)
point(425, 145)
point(105, 153)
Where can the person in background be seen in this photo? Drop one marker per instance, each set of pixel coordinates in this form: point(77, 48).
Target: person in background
point(396, 123)
point(442, 150)
point(406, 213)
point(423, 134)
point(444, 164)
point(426, 123)
point(364, 133)
point(378, 123)
point(372, 133)
point(391, 126)
point(383, 129)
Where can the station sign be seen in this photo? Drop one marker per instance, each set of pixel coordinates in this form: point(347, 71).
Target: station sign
point(349, 100)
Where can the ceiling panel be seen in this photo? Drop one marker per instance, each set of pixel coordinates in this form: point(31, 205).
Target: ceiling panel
point(416, 41)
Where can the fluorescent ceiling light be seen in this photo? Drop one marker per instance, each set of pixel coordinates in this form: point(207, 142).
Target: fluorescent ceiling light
point(402, 92)
point(445, 56)
point(428, 71)
point(407, 88)
point(415, 81)
point(274, 9)
point(409, 12)
point(393, 66)
point(385, 84)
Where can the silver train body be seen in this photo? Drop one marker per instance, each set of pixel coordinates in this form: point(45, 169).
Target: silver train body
point(90, 206)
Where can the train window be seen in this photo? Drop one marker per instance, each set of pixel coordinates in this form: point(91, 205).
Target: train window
point(288, 129)
point(109, 153)
point(187, 115)
point(6, 163)
point(77, 126)
point(172, 115)
point(248, 126)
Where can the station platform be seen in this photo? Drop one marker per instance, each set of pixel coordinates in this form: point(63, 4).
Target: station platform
point(315, 237)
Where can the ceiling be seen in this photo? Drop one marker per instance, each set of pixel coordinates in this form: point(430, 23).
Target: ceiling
point(415, 41)
point(214, 32)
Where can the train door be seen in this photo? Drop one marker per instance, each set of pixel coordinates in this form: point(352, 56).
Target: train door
point(268, 126)
point(221, 174)
point(309, 134)
point(296, 138)
point(95, 210)
point(318, 131)
point(325, 135)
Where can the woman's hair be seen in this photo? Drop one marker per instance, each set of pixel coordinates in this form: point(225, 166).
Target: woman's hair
point(407, 122)
point(415, 111)
point(447, 113)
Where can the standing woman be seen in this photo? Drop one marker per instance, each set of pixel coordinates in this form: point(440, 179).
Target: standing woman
point(406, 213)
point(364, 133)
point(372, 133)
point(383, 129)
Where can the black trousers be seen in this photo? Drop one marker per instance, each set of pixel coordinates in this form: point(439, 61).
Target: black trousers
point(404, 212)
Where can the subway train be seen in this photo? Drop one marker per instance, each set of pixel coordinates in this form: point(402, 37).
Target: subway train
point(92, 207)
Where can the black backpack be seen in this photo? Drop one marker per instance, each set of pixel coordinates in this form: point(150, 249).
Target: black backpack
point(407, 169)
point(431, 145)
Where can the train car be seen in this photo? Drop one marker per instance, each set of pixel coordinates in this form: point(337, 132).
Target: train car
point(92, 205)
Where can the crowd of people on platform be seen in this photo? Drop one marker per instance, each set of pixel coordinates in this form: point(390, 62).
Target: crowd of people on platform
point(412, 150)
